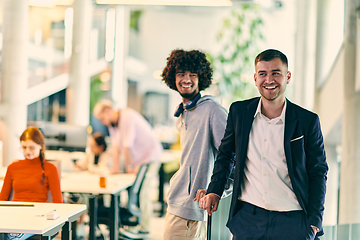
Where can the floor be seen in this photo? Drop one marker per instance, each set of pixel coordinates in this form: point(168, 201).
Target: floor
point(156, 229)
point(156, 223)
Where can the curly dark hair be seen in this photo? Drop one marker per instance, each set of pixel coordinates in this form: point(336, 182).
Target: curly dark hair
point(193, 61)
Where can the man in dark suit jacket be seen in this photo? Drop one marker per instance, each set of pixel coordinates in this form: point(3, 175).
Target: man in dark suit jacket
point(281, 169)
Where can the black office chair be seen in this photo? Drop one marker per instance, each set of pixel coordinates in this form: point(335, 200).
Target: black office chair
point(131, 215)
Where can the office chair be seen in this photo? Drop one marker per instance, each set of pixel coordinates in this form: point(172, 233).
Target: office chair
point(132, 211)
point(131, 215)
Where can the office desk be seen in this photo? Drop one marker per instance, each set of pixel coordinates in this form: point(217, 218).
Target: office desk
point(32, 219)
point(88, 183)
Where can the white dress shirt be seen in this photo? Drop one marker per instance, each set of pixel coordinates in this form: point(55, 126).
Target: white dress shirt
point(267, 182)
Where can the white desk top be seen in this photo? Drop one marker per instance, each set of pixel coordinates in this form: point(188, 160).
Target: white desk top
point(32, 219)
point(86, 182)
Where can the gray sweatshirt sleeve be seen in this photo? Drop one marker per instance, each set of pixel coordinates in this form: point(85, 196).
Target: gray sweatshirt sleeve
point(218, 124)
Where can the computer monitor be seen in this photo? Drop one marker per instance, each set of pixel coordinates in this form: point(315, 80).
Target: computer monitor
point(63, 136)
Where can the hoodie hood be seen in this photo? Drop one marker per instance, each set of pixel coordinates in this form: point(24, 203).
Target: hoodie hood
point(209, 98)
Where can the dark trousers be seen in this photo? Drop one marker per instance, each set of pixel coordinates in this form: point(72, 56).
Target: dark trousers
point(254, 223)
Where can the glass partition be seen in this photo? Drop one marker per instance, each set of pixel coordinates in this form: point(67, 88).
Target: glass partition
point(49, 40)
point(342, 232)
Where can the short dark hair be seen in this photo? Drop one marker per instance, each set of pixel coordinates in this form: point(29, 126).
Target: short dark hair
point(271, 54)
point(99, 139)
point(193, 61)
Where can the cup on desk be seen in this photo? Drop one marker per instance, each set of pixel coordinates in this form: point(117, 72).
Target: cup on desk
point(102, 181)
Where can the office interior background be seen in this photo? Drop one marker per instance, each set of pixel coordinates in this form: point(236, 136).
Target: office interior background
point(59, 57)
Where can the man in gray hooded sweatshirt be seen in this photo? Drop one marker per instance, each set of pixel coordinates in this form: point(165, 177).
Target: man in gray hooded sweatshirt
point(201, 123)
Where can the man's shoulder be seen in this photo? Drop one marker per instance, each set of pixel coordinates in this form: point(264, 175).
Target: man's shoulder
point(129, 115)
point(50, 166)
point(245, 103)
point(301, 111)
point(211, 102)
point(127, 111)
point(305, 117)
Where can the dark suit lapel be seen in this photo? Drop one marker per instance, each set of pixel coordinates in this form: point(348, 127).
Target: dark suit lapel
point(290, 125)
point(248, 119)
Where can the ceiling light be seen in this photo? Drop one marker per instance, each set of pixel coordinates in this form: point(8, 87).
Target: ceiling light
point(49, 3)
point(207, 3)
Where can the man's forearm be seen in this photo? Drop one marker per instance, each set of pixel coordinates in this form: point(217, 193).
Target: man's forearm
point(128, 159)
point(116, 158)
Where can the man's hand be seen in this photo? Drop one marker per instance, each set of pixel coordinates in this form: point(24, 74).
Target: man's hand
point(209, 202)
point(200, 194)
point(315, 229)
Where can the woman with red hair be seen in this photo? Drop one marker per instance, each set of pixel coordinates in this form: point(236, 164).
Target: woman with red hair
point(32, 178)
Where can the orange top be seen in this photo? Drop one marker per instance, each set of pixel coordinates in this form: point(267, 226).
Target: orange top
point(24, 177)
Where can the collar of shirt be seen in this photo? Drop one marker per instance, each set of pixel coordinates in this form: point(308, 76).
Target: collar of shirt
point(277, 120)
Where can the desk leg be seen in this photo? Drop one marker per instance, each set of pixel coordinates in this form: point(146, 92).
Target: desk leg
point(93, 206)
point(161, 188)
point(114, 217)
point(66, 231)
point(45, 237)
point(73, 230)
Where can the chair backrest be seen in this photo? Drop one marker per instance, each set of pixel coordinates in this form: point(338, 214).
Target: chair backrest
point(134, 192)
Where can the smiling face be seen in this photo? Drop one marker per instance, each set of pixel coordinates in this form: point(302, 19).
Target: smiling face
point(271, 78)
point(30, 149)
point(187, 84)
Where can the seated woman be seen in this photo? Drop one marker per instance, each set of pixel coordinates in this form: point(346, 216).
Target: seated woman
point(31, 179)
point(97, 159)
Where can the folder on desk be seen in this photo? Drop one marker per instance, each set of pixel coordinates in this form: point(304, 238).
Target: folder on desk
point(16, 205)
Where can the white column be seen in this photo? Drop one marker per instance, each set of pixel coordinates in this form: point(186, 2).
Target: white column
point(305, 44)
point(14, 66)
point(119, 89)
point(350, 162)
point(78, 92)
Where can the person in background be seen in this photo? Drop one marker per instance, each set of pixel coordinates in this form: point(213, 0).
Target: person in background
point(281, 169)
point(97, 159)
point(133, 138)
point(31, 179)
point(201, 121)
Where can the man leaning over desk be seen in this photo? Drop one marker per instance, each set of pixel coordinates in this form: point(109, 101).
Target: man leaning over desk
point(132, 136)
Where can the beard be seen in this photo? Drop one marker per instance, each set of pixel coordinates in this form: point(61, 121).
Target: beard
point(188, 95)
point(274, 97)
